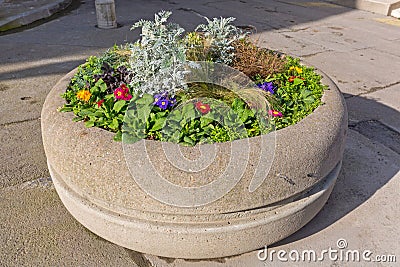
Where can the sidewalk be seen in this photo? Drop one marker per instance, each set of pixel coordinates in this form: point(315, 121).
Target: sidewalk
point(359, 50)
point(17, 13)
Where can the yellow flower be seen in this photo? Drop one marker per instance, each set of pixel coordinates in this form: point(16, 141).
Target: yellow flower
point(297, 69)
point(83, 95)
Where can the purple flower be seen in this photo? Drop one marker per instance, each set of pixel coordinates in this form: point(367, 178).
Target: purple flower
point(163, 101)
point(172, 101)
point(267, 87)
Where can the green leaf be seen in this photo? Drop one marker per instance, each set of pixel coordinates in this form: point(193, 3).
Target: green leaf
point(102, 86)
point(204, 121)
point(146, 99)
point(188, 111)
point(119, 105)
point(76, 119)
point(159, 123)
point(175, 115)
point(89, 124)
point(305, 93)
point(65, 109)
point(114, 124)
point(109, 96)
point(99, 113)
point(143, 112)
point(210, 115)
point(237, 104)
point(130, 138)
point(188, 140)
point(118, 136)
point(309, 100)
point(297, 81)
point(85, 112)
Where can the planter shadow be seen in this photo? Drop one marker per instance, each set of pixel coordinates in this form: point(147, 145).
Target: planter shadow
point(364, 170)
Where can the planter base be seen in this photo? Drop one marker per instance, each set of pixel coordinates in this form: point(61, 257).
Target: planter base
point(249, 230)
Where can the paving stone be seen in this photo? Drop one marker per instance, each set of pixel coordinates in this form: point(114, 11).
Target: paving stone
point(382, 105)
point(363, 21)
point(22, 153)
point(387, 96)
point(36, 230)
point(334, 37)
point(391, 48)
point(378, 132)
point(359, 71)
point(280, 41)
point(24, 84)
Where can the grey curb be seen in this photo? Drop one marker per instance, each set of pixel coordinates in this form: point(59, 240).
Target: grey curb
point(35, 14)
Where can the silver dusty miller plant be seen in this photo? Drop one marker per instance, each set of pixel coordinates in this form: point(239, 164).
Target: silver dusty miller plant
point(158, 59)
point(221, 35)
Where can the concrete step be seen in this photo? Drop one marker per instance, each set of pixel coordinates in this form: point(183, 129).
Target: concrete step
point(384, 7)
point(17, 13)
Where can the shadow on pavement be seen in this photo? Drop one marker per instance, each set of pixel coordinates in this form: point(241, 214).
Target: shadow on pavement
point(75, 28)
point(371, 160)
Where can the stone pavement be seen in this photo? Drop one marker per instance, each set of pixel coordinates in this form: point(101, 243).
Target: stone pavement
point(357, 49)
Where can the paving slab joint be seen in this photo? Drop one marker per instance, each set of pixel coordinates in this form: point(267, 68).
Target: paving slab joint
point(21, 121)
point(379, 88)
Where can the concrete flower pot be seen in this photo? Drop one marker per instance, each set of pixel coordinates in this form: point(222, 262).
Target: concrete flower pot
point(92, 176)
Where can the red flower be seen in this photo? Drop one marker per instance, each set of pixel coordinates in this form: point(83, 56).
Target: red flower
point(291, 78)
point(203, 108)
point(100, 102)
point(275, 113)
point(122, 93)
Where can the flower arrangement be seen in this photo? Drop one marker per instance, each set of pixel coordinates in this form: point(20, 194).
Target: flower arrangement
point(139, 90)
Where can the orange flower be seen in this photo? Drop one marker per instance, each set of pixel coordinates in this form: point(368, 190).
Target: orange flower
point(83, 95)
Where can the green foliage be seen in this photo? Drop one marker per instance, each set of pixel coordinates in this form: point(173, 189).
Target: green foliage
point(117, 90)
point(110, 113)
point(299, 92)
point(188, 126)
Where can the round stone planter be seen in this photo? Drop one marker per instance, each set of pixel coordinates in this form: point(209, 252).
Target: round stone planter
point(96, 183)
